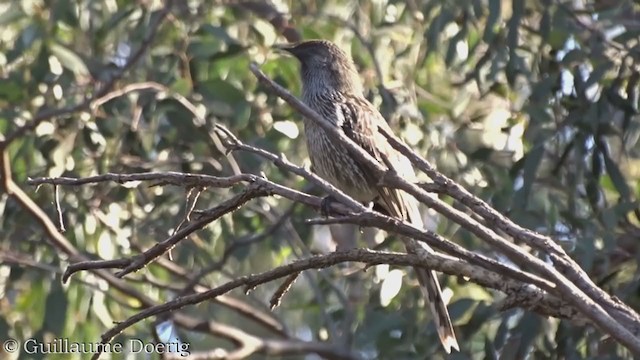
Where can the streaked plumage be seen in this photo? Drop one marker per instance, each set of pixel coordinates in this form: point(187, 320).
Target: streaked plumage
point(331, 86)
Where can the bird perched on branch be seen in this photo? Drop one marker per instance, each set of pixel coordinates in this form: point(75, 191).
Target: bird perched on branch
point(331, 86)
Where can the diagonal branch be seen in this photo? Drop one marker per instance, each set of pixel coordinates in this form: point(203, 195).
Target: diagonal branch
point(137, 262)
point(517, 291)
point(562, 261)
point(373, 219)
point(567, 289)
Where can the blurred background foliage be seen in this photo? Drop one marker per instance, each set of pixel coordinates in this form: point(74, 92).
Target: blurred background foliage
point(532, 105)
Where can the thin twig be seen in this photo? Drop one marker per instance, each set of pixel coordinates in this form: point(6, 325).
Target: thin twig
point(276, 298)
point(59, 209)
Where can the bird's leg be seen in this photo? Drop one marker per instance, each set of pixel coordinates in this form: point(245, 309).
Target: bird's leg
point(370, 205)
point(325, 205)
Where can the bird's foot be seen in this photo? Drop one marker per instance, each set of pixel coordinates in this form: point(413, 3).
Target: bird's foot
point(325, 205)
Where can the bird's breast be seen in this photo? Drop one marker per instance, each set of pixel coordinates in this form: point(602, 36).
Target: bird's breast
point(332, 162)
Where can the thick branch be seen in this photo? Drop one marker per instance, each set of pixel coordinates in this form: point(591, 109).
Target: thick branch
point(567, 288)
point(434, 261)
point(562, 261)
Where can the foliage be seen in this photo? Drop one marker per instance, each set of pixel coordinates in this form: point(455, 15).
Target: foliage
point(532, 105)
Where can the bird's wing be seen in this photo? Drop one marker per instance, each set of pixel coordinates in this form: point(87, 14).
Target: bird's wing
point(360, 123)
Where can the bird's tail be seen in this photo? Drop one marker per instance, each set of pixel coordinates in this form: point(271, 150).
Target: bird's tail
point(429, 281)
point(405, 206)
point(431, 290)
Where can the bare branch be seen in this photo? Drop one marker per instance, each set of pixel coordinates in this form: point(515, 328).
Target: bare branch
point(563, 262)
point(435, 240)
point(138, 262)
point(432, 261)
point(56, 191)
point(376, 219)
point(565, 287)
point(171, 178)
point(233, 143)
point(64, 248)
point(276, 299)
point(236, 244)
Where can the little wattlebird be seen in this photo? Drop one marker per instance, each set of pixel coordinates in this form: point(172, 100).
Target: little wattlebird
point(331, 86)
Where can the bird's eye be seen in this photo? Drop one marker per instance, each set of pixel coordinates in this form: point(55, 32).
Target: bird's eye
point(325, 59)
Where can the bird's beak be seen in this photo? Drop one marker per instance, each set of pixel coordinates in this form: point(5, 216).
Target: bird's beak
point(288, 48)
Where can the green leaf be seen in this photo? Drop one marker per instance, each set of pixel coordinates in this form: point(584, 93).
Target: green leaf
point(557, 38)
point(597, 74)
point(490, 351)
point(26, 39)
point(617, 177)
point(482, 154)
point(492, 24)
point(513, 36)
point(65, 11)
point(510, 349)
point(527, 331)
point(453, 46)
point(459, 308)
point(11, 91)
point(217, 32)
point(204, 48)
point(55, 309)
point(69, 59)
point(113, 22)
point(532, 161)
point(434, 31)
point(40, 66)
point(544, 88)
point(221, 90)
point(545, 24)
point(11, 14)
point(574, 57)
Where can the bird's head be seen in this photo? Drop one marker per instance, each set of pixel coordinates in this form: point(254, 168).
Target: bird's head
point(324, 64)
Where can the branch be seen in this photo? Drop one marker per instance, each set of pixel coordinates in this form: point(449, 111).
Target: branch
point(433, 261)
point(368, 218)
point(233, 143)
point(405, 228)
point(63, 247)
point(258, 187)
point(191, 180)
point(562, 261)
point(515, 289)
point(236, 244)
point(139, 261)
point(566, 288)
point(162, 178)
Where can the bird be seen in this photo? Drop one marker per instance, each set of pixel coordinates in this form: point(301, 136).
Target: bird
point(331, 86)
